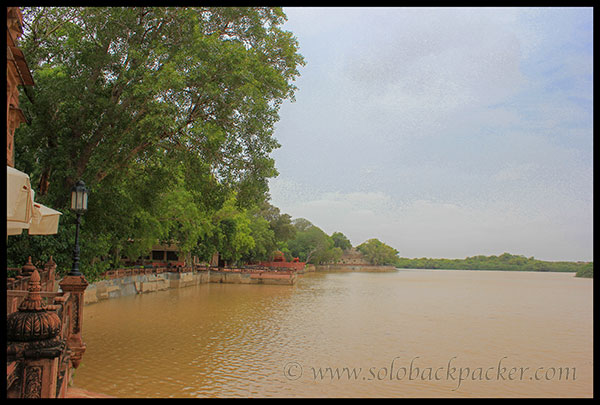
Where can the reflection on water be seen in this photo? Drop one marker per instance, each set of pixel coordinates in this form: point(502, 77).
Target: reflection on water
point(405, 334)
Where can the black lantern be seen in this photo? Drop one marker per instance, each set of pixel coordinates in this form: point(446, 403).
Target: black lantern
point(79, 196)
point(79, 199)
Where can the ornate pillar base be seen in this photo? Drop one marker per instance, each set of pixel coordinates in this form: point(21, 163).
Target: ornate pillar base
point(75, 285)
point(77, 349)
point(37, 371)
point(34, 346)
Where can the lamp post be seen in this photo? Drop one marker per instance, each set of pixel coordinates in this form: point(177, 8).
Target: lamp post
point(79, 199)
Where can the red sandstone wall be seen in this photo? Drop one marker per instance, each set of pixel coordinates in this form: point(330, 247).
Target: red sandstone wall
point(17, 73)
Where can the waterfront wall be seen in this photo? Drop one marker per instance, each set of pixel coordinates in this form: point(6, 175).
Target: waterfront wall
point(124, 283)
point(140, 284)
point(132, 284)
point(240, 277)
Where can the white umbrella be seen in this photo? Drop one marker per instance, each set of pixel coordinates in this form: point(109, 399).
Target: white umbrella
point(19, 202)
point(22, 212)
point(44, 221)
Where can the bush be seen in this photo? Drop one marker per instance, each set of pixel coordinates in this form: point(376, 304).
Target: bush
point(586, 271)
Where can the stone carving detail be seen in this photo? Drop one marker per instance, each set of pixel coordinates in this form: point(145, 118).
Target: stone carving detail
point(14, 376)
point(33, 382)
point(76, 316)
point(33, 321)
point(27, 268)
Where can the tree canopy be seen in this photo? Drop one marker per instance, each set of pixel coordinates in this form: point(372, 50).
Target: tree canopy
point(166, 113)
point(377, 252)
point(311, 244)
point(341, 241)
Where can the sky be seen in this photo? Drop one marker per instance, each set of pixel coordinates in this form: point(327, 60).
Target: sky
point(442, 132)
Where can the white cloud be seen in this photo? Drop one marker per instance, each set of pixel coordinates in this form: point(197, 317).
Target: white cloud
point(456, 231)
point(443, 132)
point(515, 172)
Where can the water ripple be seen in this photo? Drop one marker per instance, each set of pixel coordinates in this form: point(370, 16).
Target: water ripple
point(234, 340)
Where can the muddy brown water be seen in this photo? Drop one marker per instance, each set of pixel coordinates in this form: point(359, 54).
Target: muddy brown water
point(410, 333)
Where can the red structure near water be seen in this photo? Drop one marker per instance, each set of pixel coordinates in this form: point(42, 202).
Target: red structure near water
point(279, 262)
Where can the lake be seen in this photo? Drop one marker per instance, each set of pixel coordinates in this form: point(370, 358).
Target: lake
point(410, 333)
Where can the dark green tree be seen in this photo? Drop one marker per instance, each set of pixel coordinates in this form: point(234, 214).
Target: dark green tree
point(280, 224)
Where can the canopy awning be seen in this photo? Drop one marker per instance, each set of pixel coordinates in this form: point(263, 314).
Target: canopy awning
point(22, 212)
point(19, 204)
point(44, 221)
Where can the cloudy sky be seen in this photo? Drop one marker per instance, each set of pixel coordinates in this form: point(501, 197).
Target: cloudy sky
point(443, 132)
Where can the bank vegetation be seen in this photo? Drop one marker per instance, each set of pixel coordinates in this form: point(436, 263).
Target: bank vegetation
point(505, 261)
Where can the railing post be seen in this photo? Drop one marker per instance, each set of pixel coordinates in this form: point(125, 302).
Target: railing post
point(34, 346)
point(50, 267)
point(75, 285)
point(27, 268)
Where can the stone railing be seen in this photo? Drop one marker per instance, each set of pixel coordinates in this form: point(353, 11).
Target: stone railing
point(126, 272)
point(254, 269)
point(139, 270)
point(16, 287)
point(43, 330)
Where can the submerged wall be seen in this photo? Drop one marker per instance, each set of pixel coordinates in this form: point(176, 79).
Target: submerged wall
point(140, 284)
point(145, 283)
point(238, 277)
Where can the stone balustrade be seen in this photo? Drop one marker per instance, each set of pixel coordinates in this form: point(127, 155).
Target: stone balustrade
point(43, 330)
point(126, 272)
point(16, 287)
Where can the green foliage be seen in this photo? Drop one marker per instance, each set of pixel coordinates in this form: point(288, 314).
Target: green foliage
point(505, 261)
point(41, 247)
point(311, 244)
point(280, 224)
point(378, 253)
point(230, 233)
point(302, 224)
point(264, 240)
point(341, 241)
point(165, 113)
point(586, 271)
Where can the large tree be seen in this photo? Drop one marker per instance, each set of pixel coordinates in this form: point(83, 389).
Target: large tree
point(312, 245)
point(341, 241)
point(377, 252)
point(280, 224)
point(146, 102)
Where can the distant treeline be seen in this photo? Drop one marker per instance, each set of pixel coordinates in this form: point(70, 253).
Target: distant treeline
point(505, 261)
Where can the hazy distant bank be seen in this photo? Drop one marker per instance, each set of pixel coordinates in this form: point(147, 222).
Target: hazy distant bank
point(505, 262)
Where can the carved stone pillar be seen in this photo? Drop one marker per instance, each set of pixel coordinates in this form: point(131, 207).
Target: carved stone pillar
point(34, 346)
point(50, 267)
point(75, 285)
point(28, 268)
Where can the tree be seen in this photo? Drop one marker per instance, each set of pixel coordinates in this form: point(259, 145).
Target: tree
point(377, 252)
point(302, 224)
point(312, 245)
point(505, 261)
point(144, 101)
point(264, 238)
point(587, 271)
point(341, 241)
point(231, 233)
point(280, 224)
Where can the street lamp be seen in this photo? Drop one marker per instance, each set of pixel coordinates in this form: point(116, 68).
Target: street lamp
point(79, 198)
